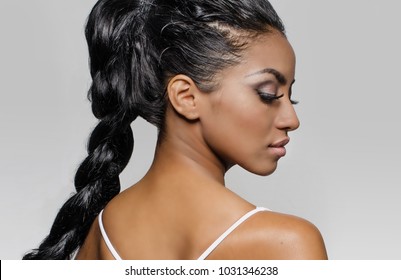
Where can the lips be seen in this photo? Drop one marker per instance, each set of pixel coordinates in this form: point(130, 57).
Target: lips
point(280, 143)
point(278, 147)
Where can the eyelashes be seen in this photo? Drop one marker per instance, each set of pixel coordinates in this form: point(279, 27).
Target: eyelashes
point(269, 98)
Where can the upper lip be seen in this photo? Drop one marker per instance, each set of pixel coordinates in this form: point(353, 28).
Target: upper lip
point(280, 143)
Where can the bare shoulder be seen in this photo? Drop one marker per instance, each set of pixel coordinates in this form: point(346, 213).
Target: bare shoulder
point(272, 235)
point(283, 236)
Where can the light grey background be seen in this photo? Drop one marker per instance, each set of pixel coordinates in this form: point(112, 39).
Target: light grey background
point(342, 171)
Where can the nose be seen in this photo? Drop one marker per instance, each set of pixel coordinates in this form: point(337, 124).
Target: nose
point(287, 118)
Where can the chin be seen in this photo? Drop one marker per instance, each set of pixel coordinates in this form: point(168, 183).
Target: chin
point(264, 171)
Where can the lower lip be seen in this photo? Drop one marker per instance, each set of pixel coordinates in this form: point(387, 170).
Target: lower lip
point(278, 151)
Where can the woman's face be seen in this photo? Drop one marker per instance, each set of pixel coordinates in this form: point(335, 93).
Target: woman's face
point(244, 121)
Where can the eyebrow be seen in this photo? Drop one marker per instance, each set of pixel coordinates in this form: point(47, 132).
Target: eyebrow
point(280, 77)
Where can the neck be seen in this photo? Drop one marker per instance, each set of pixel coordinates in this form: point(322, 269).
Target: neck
point(185, 158)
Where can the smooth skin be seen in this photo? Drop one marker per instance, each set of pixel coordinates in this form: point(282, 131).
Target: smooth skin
point(182, 204)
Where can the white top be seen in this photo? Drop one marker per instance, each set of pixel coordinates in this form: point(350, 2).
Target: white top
point(208, 250)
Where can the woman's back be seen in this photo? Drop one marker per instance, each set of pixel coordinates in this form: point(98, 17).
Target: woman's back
point(141, 227)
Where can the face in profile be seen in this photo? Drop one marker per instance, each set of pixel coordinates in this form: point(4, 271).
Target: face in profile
point(247, 119)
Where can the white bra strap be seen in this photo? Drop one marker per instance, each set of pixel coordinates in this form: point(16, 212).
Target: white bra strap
point(106, 238)
point(229, 230)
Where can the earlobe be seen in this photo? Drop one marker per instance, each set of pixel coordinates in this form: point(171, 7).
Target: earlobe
point(181, 92)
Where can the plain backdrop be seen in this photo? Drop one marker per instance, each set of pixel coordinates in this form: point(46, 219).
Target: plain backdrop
point(342, 171)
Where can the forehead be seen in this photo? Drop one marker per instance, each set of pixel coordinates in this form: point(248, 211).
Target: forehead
point(270, 50)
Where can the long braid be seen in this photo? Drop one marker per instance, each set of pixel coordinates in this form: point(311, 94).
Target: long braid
point(96, 183)
point(111, 143)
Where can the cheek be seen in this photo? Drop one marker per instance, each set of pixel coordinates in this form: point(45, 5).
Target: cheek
point(238, 128)
point(237, 114)
point(249, 117)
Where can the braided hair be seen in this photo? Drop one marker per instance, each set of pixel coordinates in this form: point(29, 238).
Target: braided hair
point(134, 48)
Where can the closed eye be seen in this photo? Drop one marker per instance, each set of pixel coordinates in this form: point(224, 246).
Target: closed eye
point(268, 97)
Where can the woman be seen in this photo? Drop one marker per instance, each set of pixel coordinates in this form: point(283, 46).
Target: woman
point(215, 78)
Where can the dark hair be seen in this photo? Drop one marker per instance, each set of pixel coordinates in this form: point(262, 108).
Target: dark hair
point(135, 47)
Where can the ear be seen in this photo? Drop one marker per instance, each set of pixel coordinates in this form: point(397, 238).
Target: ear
point(182, 93)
